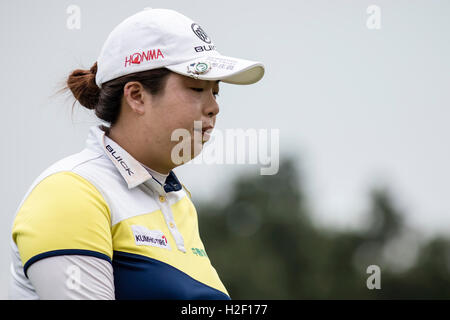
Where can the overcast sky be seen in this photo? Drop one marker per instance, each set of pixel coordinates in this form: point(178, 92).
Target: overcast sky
point(360, 107)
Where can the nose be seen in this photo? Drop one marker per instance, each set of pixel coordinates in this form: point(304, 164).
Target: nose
point(212, 107)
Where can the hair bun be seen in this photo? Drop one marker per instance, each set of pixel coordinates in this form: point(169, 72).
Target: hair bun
point(84, 89)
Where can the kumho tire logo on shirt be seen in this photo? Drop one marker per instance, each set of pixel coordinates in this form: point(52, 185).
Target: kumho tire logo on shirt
point(146, 237)
point(139, 57)
point(140, 238)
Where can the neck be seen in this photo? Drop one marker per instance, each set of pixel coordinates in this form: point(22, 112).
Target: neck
point(133, 144)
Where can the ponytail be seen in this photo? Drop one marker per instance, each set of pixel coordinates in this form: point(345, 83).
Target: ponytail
point(83, 86)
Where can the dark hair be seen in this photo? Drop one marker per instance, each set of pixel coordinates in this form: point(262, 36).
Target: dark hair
point(106, 101)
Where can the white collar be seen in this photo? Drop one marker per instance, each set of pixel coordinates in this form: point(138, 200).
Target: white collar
point(133, 172)
point(161, 178)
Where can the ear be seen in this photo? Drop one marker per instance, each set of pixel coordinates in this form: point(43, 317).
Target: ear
point(135, 96)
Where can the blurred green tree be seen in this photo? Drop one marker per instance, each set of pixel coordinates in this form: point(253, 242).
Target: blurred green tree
point(265, 246)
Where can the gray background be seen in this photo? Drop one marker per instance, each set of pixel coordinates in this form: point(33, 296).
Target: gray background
point(360, 107)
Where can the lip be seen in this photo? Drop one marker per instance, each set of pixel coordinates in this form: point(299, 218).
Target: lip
point(208, 129)
point(205, 129)
point(206, 135)
point(206, 132)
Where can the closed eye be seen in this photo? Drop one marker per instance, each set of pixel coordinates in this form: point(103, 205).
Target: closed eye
point(201, 90)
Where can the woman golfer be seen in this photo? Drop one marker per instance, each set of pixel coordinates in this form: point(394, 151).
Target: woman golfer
point(113, 221)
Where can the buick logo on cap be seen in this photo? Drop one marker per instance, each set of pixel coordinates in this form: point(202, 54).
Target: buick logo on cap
point(200, 33)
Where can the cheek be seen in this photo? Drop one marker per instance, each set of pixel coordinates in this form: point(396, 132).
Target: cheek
point(183, 110)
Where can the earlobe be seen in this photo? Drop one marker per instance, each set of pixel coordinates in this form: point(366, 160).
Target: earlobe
point(138, 107)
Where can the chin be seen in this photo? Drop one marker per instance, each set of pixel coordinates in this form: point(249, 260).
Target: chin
point(196, 151)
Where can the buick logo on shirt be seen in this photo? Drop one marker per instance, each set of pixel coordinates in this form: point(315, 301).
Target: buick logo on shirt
point(119, 159)
point(200, 33)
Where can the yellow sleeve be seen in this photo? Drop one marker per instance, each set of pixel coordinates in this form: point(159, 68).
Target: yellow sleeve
point(64, 214)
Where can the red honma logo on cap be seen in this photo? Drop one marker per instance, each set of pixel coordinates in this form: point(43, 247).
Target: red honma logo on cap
point(139, 57)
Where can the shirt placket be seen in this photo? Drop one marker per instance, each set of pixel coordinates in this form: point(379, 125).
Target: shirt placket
point(164, 204)
point(135, 174)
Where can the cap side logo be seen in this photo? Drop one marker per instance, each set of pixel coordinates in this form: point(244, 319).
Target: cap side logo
point(139, 57)
point(199, 32)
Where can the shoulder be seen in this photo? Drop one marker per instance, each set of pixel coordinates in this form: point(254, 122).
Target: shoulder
point(63, 186)
point(72, 172)
point(64, 213)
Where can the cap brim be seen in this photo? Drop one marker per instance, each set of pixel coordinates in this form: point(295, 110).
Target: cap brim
point(223, 68)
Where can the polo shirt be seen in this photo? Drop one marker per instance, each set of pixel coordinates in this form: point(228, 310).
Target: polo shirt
point(101, 202)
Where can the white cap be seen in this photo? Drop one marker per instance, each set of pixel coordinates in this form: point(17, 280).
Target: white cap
point(156, 38)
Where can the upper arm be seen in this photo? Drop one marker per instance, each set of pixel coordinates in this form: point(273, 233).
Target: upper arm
point(72, 277)
point(63, 215)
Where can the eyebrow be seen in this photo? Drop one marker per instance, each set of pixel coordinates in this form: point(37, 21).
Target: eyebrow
point(216, 82)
